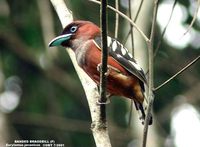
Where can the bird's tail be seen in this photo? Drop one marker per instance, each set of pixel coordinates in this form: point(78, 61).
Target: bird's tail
point(141, 108)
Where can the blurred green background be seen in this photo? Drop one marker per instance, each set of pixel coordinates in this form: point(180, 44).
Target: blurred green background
point(41, 96)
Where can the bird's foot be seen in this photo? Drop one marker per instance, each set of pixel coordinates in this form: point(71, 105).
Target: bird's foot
point(99, 69)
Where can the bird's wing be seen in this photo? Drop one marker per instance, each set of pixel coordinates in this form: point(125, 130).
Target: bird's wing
point(122, 56)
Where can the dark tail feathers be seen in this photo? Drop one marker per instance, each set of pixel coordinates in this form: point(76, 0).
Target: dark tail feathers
point(139, 107)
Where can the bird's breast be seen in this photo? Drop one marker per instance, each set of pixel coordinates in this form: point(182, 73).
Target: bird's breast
point(81, 50)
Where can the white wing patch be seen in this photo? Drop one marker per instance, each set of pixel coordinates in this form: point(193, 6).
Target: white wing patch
point(130, 55)
point(114, 46)
point(123, 50)
point(109, 41)
point(119, 56)
point(122, 56)
point(137, 66)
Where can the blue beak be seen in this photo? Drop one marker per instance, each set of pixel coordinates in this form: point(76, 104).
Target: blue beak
point(59, 40)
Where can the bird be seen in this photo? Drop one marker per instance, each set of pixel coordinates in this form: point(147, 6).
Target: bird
point(125, 77)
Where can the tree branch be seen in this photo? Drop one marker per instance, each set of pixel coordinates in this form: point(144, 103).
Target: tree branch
point(135, 19)
point(132, 46)
point(192, 97)
point(104, 55)
point(131, 28)
point(127, 18)
point(100, 135)
point(178, 73)
point(116, 18)
point(163, 33)
point(151, 75)
point(194, 18)
point(138, 11)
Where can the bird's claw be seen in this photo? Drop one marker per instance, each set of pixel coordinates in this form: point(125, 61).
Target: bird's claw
point(99, 66)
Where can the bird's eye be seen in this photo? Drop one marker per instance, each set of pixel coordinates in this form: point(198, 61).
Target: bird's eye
point(73, 29)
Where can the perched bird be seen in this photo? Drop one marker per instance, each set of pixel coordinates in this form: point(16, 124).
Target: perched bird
point(125, 77)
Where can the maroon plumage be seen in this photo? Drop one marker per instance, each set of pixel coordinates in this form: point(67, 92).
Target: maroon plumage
point(125, 77)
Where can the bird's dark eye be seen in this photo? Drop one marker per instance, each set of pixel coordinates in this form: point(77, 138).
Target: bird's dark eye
point(73, 29)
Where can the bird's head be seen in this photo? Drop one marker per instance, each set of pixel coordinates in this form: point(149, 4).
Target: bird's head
point(75, 34)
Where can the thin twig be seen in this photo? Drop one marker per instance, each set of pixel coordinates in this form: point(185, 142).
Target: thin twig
point(130, 114)
point(125, 17)
point(154, 22)
point(138, 11)
point(151, 76)
point(163, 33)
point(194, 18)
point(132, 46)
point(126, 37)
point(131, 28)
point(104, 58)
point(178, 73)
point(116, 18)
point(135, 19)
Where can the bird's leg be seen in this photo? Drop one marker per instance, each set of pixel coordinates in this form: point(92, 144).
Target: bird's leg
point(99, 66)
point(107, 94)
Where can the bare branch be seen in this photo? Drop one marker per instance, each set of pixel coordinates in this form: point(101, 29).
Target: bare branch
point(163, 33)
point(116, 18)
point(138, 11)
point(151, 75)
point(135, 19)
point(131, 28)
point(100, 135)
point(127, 18)
point(191, 96)
point(194, 18)
point(104, 60)
point(132, 46)
point(130, 113)
point(104, 55)
point(178, 73)
point(103, 78)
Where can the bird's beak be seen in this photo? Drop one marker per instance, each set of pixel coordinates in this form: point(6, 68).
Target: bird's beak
point(59, 40)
